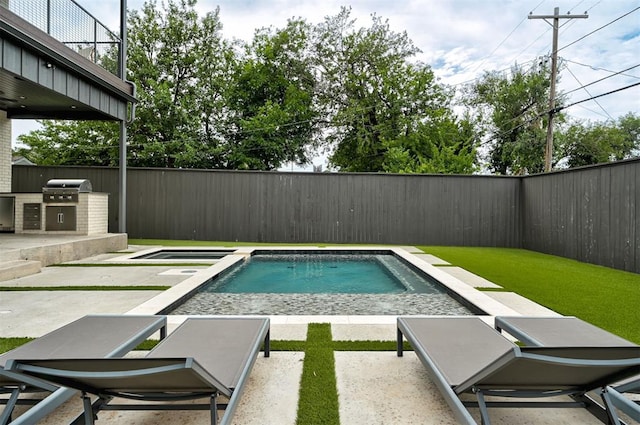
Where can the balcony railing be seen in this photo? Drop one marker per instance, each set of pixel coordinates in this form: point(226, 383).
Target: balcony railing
point(71, 24)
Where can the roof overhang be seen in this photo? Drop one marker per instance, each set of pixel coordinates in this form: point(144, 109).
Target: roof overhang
point(41, 78)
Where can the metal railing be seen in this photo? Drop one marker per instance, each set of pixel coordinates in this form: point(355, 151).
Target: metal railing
point(74, 26)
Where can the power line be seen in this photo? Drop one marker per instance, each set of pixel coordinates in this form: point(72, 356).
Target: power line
point(597, 96)
point(595, 68)
point(500, 44)
point(593, 111)
point(598, 29)
point(599, 80)
point(584, 87)
point(480, 77)
point(558, 109)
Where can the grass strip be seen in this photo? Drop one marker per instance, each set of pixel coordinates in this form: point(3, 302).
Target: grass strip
point(85, 288)
point(286, 345)
point(318, 402)
point(603, 296)
point(367, 346)
point(9, 343)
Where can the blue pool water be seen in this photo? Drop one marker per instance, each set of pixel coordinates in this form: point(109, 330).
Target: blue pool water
point(321, 273)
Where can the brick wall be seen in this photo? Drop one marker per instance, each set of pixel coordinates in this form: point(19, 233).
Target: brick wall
point(96, 218)
point(5, 153)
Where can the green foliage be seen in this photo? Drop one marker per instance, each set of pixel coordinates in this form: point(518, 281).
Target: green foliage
point(444, 147)
point(272, 100)
point(513, 111)
point(173, 57)
point(383, 111)
point(606, 297)
point(355, 91)
point(594, 143)
point(72, 143)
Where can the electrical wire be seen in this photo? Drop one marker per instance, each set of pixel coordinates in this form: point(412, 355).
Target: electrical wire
point(599, 80)
point(595, 68)
point(584, 87)
point(598, 29)
point(555, 110)
point(502, 42)
point(597, 96)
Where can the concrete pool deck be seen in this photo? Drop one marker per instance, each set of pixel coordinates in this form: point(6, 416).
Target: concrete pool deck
point(373, 387)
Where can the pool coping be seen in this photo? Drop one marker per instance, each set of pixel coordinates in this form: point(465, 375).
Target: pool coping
point(132, 257)
point(170, 298)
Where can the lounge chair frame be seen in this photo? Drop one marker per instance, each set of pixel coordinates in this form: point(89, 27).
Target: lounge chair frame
point(63, 342)
point(480, 382)
point(125, 375)
point(571, 331)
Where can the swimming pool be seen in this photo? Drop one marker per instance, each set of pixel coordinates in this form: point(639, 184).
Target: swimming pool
point(325, 273)
point(408, 290)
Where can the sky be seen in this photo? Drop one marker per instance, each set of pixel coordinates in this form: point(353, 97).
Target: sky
point(462, 39)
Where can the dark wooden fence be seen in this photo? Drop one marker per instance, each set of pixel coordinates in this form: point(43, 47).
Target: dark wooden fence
point(589, 214)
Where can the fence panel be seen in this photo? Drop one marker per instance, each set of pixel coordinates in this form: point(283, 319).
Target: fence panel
point(304, 207)
point(590, 214)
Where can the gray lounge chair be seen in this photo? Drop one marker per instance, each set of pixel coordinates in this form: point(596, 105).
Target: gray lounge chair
point(203, 357)
point(89, 336)
point(465, 355)
point(568, 331)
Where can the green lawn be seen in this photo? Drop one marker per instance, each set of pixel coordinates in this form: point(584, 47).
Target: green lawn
point(606, 297)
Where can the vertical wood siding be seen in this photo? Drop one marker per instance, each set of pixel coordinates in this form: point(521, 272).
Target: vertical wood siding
point(590, 214)
point(304, 207)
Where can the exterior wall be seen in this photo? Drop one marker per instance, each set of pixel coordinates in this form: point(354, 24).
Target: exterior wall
point(5, 153)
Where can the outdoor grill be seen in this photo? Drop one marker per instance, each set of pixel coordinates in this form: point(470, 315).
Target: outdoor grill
point(61, 197)
point(64, 190)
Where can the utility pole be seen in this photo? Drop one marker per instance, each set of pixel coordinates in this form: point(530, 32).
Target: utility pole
point(548, 151)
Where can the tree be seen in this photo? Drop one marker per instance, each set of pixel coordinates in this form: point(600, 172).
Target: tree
point(513, 111)
point(272, 101)
point(379, 107)
point(595, 143)
point(171, 51)
point(72, 143)
point(443, 147)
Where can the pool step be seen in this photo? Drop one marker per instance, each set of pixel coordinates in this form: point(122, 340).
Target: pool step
point(18, 268)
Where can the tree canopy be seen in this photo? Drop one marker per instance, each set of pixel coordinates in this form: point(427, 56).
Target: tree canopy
point(512, 110)
point(354, 91)
point(384, 112)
